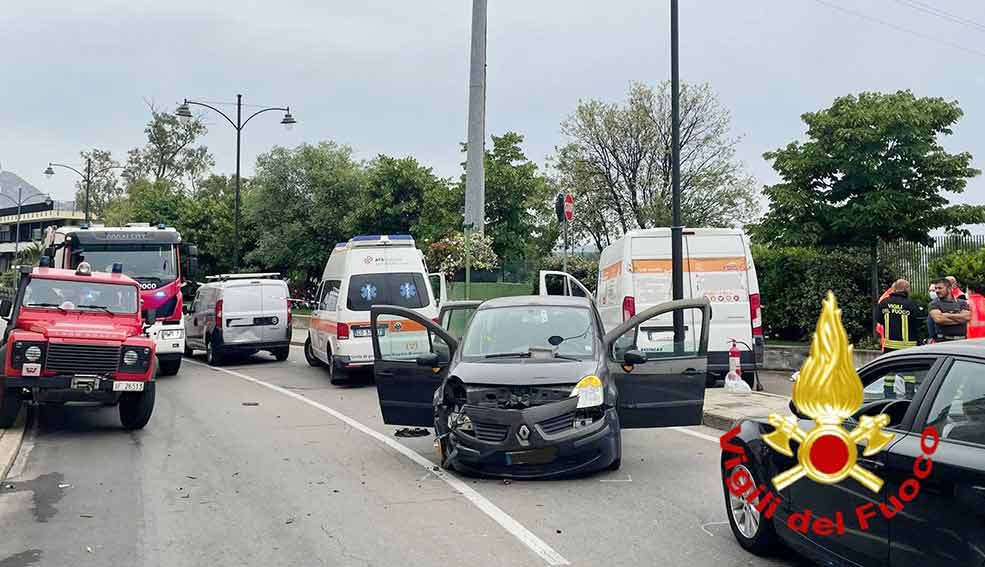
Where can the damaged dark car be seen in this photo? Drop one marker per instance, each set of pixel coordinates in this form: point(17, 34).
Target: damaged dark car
point(534, 387)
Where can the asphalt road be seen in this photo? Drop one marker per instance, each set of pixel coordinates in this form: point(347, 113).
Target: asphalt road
point(266, 463)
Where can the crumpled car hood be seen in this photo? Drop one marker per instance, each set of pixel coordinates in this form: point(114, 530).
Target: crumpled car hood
point(524, 371)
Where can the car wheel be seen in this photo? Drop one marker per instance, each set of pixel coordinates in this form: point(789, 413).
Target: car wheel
point(10, 406)
point(336, 376)
point(189, 351)
point(754, 532)
point(136, 408)
point(213, 351)
point(309, 355)
point(169, 367)
point(281, 354)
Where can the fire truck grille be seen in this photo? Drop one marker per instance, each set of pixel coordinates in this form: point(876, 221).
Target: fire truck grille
point(82, 359)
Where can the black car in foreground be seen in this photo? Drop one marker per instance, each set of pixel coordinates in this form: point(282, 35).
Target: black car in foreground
point(535, 388)
point(935, 520)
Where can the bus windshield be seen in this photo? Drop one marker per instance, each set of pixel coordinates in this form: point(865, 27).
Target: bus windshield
point(145, 262)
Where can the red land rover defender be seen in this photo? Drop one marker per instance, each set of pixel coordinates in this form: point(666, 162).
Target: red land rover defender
point(77, 335)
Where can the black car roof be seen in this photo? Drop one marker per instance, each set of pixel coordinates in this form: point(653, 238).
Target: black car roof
point(536, 301)
point(972, 347)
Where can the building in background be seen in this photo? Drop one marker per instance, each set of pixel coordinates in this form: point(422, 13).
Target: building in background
point(36, 214)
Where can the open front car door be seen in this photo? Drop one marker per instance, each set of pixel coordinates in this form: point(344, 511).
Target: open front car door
point(562, 283)
point(660, 380)
point(412, 355)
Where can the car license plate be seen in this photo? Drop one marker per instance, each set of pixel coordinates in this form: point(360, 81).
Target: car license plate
point(366, 331)
point(533, 457)
point(128, 386)
point(265, 320)
point(31, 369)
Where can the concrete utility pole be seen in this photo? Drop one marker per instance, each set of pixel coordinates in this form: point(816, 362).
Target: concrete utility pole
point(676, 230)
point(475, 177)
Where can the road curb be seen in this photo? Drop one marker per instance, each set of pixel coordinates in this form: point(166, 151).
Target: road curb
point(10, 443)
point(716, 421)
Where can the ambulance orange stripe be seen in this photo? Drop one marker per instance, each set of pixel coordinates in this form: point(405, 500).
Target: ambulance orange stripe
point(406, 325)
point(726, 264)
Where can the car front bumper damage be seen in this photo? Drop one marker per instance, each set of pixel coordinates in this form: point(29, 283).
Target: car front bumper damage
point(547, 440)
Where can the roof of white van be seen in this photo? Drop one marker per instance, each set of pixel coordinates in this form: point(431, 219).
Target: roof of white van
point(665, 231)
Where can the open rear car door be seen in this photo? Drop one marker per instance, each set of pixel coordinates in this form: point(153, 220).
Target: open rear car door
point(412, 355)
point(562, 283)
point(661, 382)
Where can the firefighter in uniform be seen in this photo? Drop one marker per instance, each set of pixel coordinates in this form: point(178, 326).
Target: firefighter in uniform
point(899, 318)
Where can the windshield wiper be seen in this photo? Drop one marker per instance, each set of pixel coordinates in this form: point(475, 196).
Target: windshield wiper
point(566, 357)
point(509, 355)
point(100, 307)
point(57, 306)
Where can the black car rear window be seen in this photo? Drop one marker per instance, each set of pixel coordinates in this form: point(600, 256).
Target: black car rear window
point(401, 289)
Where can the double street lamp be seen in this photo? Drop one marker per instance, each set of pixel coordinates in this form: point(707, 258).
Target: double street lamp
point(288, 121)
point(86, 177)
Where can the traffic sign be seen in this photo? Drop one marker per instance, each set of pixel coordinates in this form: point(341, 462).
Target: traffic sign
point(569, 207)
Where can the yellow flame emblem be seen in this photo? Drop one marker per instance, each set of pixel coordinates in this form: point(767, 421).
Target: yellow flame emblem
point(828, 391)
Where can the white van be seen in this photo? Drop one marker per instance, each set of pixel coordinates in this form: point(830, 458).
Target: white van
point(239, 314)
point(360, 273)
point(635, 274)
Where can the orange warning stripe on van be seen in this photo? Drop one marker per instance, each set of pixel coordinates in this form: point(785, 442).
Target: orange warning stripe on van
point(406, 325)
point(725, 264)
point(612, 271)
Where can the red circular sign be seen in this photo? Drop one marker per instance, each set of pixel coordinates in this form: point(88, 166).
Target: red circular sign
point(829, 454)
point(569, 207)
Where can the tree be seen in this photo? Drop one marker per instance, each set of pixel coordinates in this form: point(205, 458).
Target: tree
point(300, 200)
point(872, 170)
point(170, 154)
point(517, 196)
point(618, 160)
point(397, 191)
point(104, 187)
point(448, 254)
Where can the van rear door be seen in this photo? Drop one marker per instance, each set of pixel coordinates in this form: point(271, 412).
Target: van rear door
point(652, 270)
point(718, 271)
point(273, 323)
point(242, 305)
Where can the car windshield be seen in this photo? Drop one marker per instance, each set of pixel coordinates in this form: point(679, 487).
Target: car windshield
point(154, 262)
point(505, 331)
point(80, 296)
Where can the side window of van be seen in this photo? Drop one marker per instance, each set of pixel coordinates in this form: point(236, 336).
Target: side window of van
point(318, 290)
point(330, 297)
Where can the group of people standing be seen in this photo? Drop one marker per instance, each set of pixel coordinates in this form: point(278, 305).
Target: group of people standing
point(948, 314)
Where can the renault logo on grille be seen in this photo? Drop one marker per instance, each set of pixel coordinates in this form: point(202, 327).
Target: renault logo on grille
point(523, 433)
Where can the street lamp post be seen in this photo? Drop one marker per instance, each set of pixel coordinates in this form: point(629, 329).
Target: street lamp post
point(676, 230)
point(86, 177)
point(288, 121)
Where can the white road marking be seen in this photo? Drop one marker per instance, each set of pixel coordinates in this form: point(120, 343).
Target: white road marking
point(704, 527)
point(629, 478)
point(697, 434)
point(515, 528)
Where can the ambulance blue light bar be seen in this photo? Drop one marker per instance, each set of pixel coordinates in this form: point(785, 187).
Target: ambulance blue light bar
point(381, 240)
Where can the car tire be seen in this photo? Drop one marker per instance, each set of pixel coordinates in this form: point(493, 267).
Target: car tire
point(213, 351)
point(136, 408)
point(189, 351)
point(169, 367)
point(615, 464)
point(281, 354)
point(10, 406)
point(336, 375)
point(309, 355)
point(754, 532)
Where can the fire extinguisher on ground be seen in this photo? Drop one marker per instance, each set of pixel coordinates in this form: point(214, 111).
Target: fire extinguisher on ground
point(735, 365)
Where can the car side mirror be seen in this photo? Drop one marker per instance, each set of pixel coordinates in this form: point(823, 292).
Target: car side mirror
point(6, 308)
point(151, 316)
point(429, 359)
point(634, 357)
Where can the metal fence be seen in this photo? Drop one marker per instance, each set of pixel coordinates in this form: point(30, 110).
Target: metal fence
point(911, 261)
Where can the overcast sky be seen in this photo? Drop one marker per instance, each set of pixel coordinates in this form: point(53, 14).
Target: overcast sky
point(389, 76)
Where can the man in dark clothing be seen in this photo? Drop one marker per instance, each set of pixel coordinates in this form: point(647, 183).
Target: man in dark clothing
point(950, 314)
point(899, 318)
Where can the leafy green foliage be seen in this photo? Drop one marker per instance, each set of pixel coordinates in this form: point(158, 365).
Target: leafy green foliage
point(793, 281)
point(968, 266)
point(448, 254)
point(105, 186)
point(170, 154)
point(872, 169)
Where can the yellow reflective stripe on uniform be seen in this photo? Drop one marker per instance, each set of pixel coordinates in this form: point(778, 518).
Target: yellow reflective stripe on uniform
point(900, 344)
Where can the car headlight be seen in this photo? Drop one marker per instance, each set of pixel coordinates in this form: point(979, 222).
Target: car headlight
point(460, 421)
point(130, 358)
point(172, 334)
point(33, 353)
point(589, 392)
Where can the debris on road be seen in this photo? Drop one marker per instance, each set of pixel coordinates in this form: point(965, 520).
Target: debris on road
point(85, 516)
point(411, 432)
point(506, 481)
point(289, 521)
point(191, 477)
point(89, 549)
point(65, 485)
point(251, 403)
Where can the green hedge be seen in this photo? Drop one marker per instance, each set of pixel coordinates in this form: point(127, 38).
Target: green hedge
point(968, 266)
point(793, 281)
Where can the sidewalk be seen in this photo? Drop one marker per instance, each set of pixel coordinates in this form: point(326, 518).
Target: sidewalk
point(724, 408)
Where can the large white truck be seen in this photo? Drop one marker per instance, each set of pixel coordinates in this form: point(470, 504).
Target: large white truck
point(155, 256)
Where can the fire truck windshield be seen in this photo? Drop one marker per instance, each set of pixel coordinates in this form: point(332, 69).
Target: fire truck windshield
point(78, 295)
point(146, 262)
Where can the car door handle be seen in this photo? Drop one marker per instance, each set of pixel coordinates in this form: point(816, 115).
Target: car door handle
point(693, 372)
point(384, 373)
point(872, 464)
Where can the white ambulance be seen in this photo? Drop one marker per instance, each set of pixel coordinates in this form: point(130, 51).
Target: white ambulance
point(366, 271)
point(635, 274)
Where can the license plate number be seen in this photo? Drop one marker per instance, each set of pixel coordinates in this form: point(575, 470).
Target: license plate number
point(534, 457)
point(366, 331)
point(128, 386)
point(31, 369)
